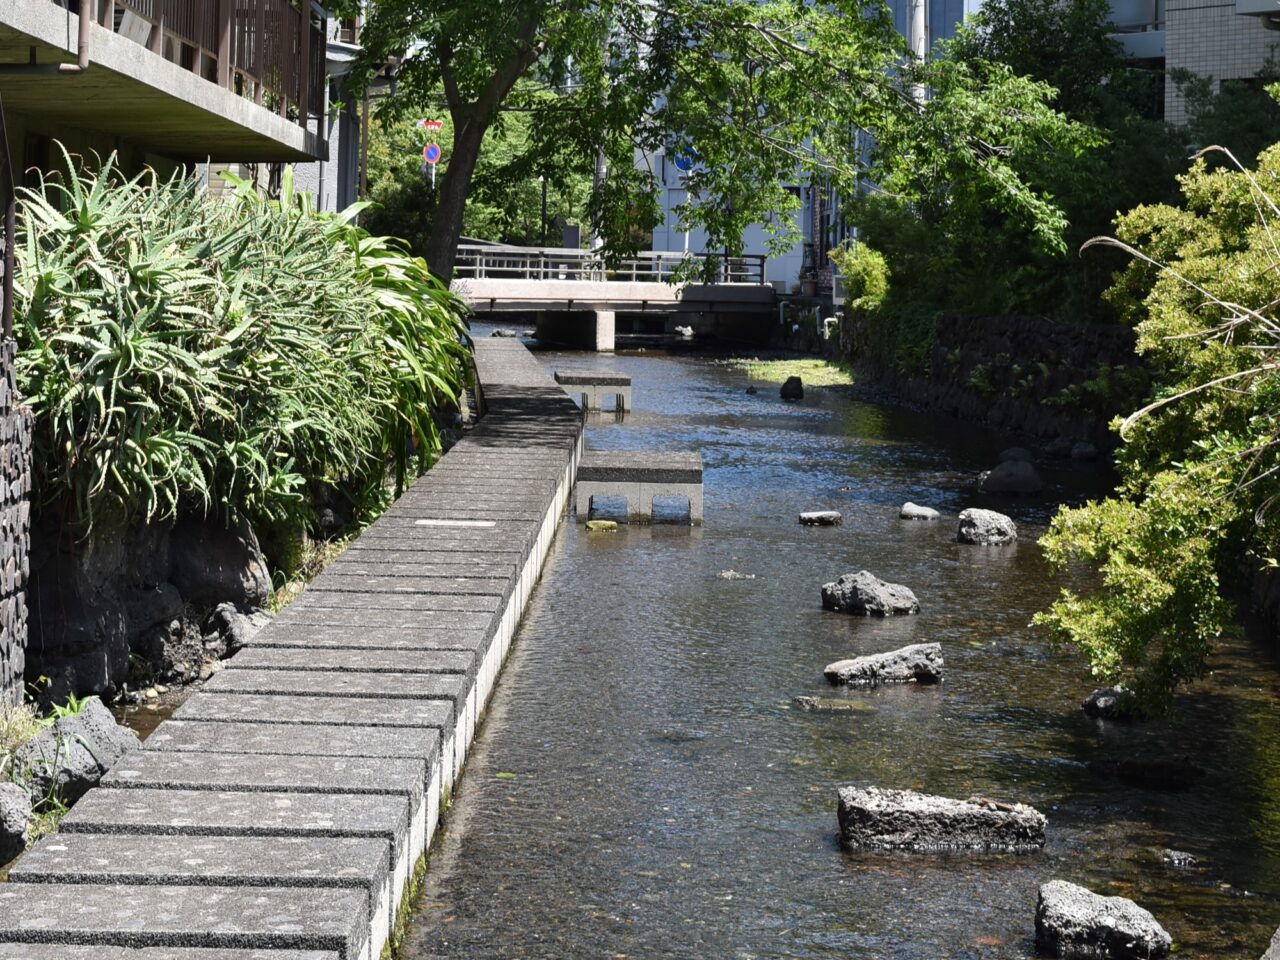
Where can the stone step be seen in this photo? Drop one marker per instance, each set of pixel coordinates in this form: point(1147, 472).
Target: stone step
point(66, 951)
point(317, 637)
point(355, 661)
point(300, 918)
point(341, 862)
point(392, 603)
point(340, 579)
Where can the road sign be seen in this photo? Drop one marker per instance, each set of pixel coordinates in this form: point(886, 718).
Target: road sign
point(684, 158)
point(431, 153)
point(431, 124)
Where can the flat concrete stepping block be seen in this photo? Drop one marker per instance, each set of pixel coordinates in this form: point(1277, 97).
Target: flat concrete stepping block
point(641, 466)
point(240, 814)
point(341, 711)
point(339, 579)
point(510, 512)
point(272, 773)
point(905, 820)
point(316, 637)
point(425, 602)
point(223, 917)
point(370, 619)
point(611, 378)
point(317, 683)
point(64, 951)
point(354, 661)
point(292, 738)
point(344, 862)
point(370, 564)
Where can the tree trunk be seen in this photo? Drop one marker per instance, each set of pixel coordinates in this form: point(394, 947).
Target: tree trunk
point(446, 226)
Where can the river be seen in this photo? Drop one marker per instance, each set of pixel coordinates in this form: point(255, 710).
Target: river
point(644, 786)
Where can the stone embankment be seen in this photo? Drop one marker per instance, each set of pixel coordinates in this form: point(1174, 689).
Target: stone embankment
point(286, 806)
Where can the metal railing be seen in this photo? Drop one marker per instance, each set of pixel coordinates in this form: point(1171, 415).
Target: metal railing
point(652, 266)
point(269, 51)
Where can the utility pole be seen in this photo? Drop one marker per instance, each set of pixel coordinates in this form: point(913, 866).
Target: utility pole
point(918, 38)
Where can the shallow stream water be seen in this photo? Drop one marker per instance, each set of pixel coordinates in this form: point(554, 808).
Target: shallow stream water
point(644, 786)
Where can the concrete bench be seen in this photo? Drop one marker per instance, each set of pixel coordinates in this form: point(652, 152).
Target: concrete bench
point(594, 386)
point(640, 476)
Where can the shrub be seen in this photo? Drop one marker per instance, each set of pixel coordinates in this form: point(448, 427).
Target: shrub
point(1200, 463)
point(182, 353)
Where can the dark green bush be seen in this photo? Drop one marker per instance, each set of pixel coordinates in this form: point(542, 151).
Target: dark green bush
point(226, 356)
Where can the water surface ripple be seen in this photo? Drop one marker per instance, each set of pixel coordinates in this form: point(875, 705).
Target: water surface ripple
point(643, 786)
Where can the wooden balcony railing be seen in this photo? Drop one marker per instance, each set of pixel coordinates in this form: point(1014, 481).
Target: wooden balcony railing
point(270, 51)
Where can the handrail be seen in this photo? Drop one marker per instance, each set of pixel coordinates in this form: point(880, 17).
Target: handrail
point(481, 262)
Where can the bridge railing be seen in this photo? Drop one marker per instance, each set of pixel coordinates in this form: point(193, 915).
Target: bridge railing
point(652, 266)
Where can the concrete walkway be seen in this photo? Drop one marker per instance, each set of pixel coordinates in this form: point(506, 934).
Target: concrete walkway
point(282, 811)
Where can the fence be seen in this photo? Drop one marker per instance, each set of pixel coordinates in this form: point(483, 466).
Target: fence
point(535, 263)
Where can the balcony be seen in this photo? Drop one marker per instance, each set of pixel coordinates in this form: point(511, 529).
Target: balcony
point(1139, 27)
point(235, 80)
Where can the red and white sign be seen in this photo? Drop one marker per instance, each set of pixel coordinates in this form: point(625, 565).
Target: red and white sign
point(431, 124)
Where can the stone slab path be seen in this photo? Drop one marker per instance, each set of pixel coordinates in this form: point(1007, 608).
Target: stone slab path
point(281, 812)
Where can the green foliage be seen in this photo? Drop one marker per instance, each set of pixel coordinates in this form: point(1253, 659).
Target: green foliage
point(766, 92)
point(224, 356)
point(865, 273)
point(1200, 464)
point(949, 247)
point(1241, 116)
point(505, 204)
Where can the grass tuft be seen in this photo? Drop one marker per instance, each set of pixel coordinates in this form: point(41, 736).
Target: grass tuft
point(815, 372)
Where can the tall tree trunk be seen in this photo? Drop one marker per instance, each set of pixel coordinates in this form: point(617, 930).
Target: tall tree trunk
point(446, 226)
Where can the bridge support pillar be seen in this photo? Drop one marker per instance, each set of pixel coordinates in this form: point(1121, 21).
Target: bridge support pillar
point(606, 324)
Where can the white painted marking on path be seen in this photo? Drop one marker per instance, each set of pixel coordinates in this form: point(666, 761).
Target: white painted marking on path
point(454, 523)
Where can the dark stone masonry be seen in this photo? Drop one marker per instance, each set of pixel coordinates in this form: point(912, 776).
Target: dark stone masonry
point(15, 526)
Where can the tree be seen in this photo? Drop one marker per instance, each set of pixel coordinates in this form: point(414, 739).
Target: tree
point(1197, 502)
point(505, 203)
point(764, 92)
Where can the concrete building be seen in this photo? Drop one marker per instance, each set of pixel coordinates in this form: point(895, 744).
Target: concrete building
point(162, 83)
point(334, 181)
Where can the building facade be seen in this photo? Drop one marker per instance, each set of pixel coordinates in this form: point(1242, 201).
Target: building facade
point(168, 84)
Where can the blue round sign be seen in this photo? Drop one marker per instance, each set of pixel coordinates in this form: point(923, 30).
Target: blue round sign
point(684, 159)
point(431, 153)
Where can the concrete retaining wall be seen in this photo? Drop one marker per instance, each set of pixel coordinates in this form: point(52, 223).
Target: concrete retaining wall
point(285, 806)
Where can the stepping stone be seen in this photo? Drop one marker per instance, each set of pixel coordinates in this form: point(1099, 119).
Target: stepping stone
point(65, 951)
point(340, 862)
point(361, 661)
point(211, 813)
point(821, 518)
point(337, 580)
point(299, 918)
point(315, 636)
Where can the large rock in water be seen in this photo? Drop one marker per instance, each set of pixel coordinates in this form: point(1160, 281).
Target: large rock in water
point(866, 595)
point(15, 814)
point(73, 754)
point(1016, 477)
point(792, 389)
point(986, 528)
point(918, 663)
point(821, 518)
point(913, 511)
point(1072, 922)
point(905, 820)
point(1109, 703)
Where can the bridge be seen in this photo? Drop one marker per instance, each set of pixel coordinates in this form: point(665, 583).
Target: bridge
point(573, 292)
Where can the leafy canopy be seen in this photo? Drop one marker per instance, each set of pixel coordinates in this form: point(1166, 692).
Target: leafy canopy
point(1196, 508)
point(765, 93)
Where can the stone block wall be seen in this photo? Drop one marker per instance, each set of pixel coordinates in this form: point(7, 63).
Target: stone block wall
point(15, 526)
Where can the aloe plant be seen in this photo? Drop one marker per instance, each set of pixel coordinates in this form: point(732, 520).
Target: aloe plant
point(225, 355)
